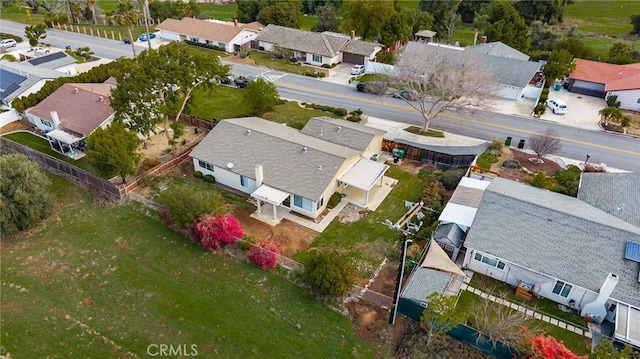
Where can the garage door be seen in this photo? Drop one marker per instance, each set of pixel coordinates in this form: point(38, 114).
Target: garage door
point(352, 58)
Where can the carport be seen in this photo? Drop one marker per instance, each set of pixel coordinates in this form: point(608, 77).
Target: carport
point(364, 174)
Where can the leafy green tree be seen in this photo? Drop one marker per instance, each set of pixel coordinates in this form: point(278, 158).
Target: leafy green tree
point(35, 33)
point(635, 21)
point(503, 23)
point(367, 17)
point(442, 12)
point(396, 28)
point(25, 198)
point(568, 180)
point(575, 47)
point(327, 19)
point(261, 96)
point(540, 180)
point(181, 204)
point(620, 53)
point(440, 316)
point(114, 151)
point(126, 15)
point(559, 64)
point(418, 20)
point(311, 7)
point(606, 350)
point(329, 273)
point(385, 57)
point(543, 36)
point(468, 9)
point(610, 114)
point(156, 89)
point(547, 11)
point(281, 13)
point(248, 10)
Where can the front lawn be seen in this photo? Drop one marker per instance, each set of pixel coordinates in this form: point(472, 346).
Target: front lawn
point(294, 115)
point(106, 282)
point(267, 60)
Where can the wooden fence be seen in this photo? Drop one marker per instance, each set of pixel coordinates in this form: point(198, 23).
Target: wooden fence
point(433, 154)
point(114, 191)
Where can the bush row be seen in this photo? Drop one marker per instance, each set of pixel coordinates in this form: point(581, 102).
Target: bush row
point(335, 110)
point(206, 46)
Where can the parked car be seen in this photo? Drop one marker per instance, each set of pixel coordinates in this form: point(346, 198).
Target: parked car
point(8, 43)
point(143, 36)
point(227, 80)
point(405, 94)
point(241, 81)
point(357, 70)
point(127, 40)
point(360, 86)
point(556, 106)
point(40, 50)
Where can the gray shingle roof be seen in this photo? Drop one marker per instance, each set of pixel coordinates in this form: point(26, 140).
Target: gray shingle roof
point(53, 60)
point(30, 74)
point(300, 40)
point(350, 134)
point(278, 149)
point(360, 47)
point(423, 282)
point(498, 49)
point(448, 150)
point(615, 193)
point(557, 235)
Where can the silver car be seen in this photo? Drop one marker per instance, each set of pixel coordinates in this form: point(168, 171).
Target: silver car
point(8, 43)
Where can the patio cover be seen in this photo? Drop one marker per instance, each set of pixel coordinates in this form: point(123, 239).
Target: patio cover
point(63, 136)
point(628, 324)
point(270, 195)
point(437, 258)
point(364, 173)
point(458, 214)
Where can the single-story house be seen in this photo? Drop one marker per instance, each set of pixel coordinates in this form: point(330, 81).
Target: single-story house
point(600, 79)
point(18, 79)
point(318, 48)
point(71, 113)
point(513, 75)
point(292, 170)
point(59, 61)
point(562, 248)
point(498, 48)
point(231, 36)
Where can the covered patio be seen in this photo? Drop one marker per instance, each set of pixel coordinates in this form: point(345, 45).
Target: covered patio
point(363, 175)
point(267, 194)
point(66, 143)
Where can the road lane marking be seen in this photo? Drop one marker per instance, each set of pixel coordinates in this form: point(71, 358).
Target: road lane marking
point(459, 118)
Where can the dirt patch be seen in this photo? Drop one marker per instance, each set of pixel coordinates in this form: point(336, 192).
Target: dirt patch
point(157, 146)
point(239, 60)
point(385, 282)
point(351, 213)
point(413, 166)
point(16, 126)
point(518, 174)
point(368, 320)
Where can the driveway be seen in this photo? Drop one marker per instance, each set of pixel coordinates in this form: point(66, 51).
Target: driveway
point(582, 111)
point(339, 75)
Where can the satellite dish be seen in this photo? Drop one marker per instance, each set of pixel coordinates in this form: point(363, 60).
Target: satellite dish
point(230, 165)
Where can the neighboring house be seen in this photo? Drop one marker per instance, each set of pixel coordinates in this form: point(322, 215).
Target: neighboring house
point(71, 113)
point(499, 49)
point(512, 74)
point(316, 48)
point(19, 79)
point(563, 248)
point(425, 35)
point(599, 79)
point(232, 37)
point(58, 61)
point(287, 168)
point(602, 190)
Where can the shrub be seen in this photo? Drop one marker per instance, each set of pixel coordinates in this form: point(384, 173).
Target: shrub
point(496, 146)
point(197, 174)
point(311, 74)
point(209, 178)
point(327, 66)
point(182, 204)
point(540, 109)
point(450, 179)
point(335, 110)
point(322, 74)
point(293, 59)
point(8, 58)
point(215, 232)
point(334, 200)
point(329, 273)
point(355, 116)
point(199, 44)
point(511, 163)
point(375, 87)
point(149, 163)
point(264, 253)
point(244, 53)
point(246, 243)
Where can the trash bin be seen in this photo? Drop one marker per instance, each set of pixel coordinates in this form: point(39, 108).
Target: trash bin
point(521, 144)
point(558, 86)
point(401, 153)
point(507, 142)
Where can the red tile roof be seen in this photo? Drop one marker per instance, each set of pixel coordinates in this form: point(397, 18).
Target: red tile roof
point(614, 77)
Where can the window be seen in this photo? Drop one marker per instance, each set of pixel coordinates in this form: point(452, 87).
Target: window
point(638, 100)
point(303, 203)
point(194, 39)
point(317, 58)
point(562, 289)
point(205, 165)
point(489, 261)
point(244, 181)
point(46, 123)
point(319, 203)
point(209, 42)
point(222, 45)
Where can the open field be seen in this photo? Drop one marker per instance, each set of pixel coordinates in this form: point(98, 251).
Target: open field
point(601, 16)
point(101, 281)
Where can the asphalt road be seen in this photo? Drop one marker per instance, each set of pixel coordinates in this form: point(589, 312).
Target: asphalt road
point(615, 150)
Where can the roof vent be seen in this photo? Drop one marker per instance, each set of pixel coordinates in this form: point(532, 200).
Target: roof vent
point(75, 90)
point(321, 132)
point(102, 99)
point(248, 133)
point(319, 167)
point(339, 129)
point(229, 165)
point(305, 149)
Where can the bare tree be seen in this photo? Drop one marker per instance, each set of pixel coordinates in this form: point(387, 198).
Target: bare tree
point(436, 79)
point(500, 323)
point(452, 22)
point(545, 142)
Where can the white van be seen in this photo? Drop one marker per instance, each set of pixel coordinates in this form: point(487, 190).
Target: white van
point(556, 106)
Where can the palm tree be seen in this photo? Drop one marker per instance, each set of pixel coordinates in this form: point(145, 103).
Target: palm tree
point(126, 15)
point(610, 114)
point(91, 4)
point(146, 21)
point(540, 180)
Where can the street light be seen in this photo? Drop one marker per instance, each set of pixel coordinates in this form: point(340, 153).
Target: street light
point(394, 312)
point(587, 160)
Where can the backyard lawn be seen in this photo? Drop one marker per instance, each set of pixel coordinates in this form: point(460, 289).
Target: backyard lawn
point(105, 281)
point(41, 145)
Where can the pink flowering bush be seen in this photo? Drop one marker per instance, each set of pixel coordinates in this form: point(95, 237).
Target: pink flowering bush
point(214, 232)
point(264, 253)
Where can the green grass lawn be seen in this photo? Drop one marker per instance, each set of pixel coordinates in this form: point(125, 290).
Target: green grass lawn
point(41, 145)
point(226, 12)
point(601, 45)
point(485, 160)
point(578, 344)
point(294, 115)
point(369, 240)
point(601, 16)
point(107, 281)
point(267, 60)
point(307, 22)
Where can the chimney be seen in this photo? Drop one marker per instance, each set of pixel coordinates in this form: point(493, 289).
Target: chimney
point(484, 39)
point(259, 175)
point(75, 90)
point(353, 34)
point(597, 309)
point(55, 119)
point(235, 22)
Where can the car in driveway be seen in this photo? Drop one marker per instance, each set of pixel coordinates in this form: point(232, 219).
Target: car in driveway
point(8, 43)
point(39, 50)
point(357, 70)
point(144, 37)
point(558, 107)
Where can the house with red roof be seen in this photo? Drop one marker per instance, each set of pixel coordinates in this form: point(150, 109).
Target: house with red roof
point(601, 79)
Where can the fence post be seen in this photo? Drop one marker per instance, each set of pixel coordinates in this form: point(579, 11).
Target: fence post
point(91, 30)
point(120, 36)
point(105, 34)
point(113, 37)
point(65, 27)
point(84, 29)
point(77, 29)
